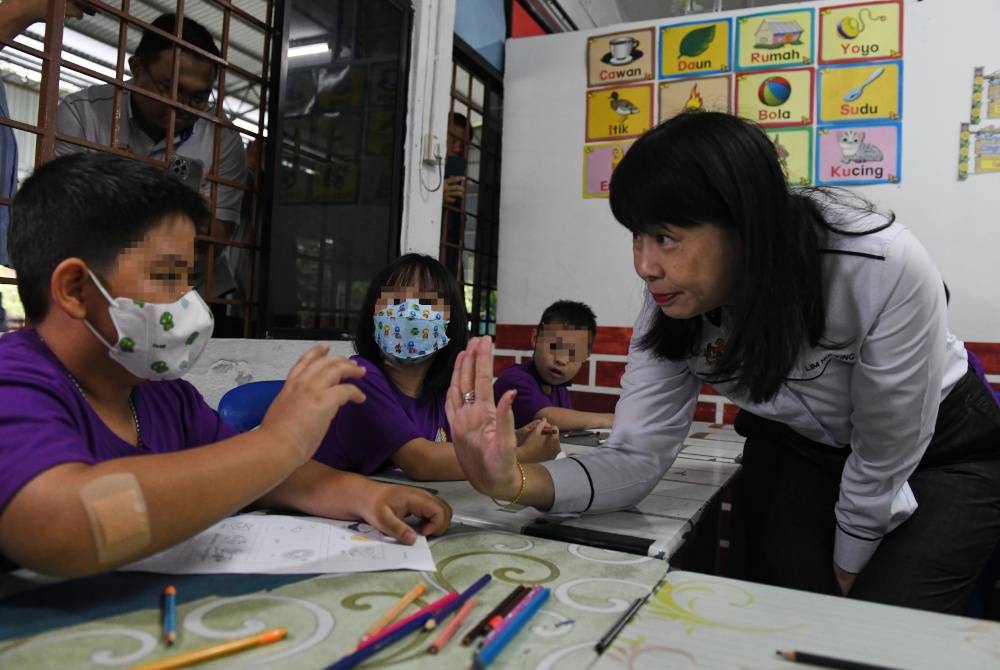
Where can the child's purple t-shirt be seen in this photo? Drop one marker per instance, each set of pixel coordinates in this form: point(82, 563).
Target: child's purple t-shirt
point(530, 397)
point(362, 438)
point(45, 421)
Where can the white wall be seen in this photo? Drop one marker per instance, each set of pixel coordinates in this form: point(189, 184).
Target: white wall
point(555, 244)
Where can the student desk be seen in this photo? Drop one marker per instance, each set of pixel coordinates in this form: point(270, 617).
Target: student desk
point(681, 511)
point(113, 621)
point(700, 621)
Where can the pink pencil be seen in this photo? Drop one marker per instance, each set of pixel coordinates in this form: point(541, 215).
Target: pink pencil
point(450, 629)
point(433, 607)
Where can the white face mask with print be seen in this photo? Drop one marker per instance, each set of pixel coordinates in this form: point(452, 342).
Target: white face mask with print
point(157, 341)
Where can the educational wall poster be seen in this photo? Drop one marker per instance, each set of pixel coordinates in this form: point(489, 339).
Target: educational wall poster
point(776, 97)
point(620, 57)
point(795, 153)
point(979, 146)
point(695, 48)
point(985, 95)
point(599, 161)
point(825, 83)
point(697, 93)
point(774, 39)
point(861, 31)
point(619, 113)
point(855, 93)
point(850, 155)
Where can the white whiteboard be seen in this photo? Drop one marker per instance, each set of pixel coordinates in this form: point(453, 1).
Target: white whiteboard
point(555, 244)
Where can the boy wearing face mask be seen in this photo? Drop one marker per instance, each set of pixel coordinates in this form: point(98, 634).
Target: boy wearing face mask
point(411, 327)
point(107, 455)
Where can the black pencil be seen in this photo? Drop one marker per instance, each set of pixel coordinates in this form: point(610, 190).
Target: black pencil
point(504, 606)
point(828, 661)
point(612, 633)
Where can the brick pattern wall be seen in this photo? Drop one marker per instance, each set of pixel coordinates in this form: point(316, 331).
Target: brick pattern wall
point(597, 386)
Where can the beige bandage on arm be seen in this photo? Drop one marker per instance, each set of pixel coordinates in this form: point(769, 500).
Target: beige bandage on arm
point(118, 516)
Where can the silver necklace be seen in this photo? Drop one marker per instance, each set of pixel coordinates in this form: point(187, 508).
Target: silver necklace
point(131, 408)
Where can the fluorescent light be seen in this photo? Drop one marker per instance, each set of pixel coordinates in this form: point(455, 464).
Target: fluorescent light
point(308, 49)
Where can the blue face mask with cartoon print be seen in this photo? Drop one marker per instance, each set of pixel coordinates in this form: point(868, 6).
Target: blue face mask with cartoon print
point(410, 331)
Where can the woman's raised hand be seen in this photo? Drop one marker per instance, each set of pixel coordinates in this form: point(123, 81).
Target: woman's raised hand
point(482, 430)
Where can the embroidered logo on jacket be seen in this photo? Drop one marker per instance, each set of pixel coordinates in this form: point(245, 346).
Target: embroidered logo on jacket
point(713, 351)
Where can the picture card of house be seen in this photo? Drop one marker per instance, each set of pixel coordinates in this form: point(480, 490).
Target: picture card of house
point(774, 39)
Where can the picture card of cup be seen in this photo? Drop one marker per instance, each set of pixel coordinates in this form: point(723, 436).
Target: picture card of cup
point(620, 57)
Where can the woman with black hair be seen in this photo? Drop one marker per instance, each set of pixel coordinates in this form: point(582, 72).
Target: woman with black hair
point(412, 325)
point(872, 461)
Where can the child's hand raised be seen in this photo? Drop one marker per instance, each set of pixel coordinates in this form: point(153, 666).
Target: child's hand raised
point(313, 392)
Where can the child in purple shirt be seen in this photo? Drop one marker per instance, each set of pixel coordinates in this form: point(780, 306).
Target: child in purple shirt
point(562, 343)
point(107, 455)
point(412, 325)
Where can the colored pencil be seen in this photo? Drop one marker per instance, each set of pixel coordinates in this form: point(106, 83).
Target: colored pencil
point(827, 661)
point(446, 633)
point(215, 651)
point(506, 605)
point(488, 654)
point(395, 610)
point(382, 640)
point(455, 604)
point(616, 628)
point(170, 615)
point(429, 610)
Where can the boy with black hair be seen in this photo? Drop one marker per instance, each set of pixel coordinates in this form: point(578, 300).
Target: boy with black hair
point(107, 455)
point(562, 343)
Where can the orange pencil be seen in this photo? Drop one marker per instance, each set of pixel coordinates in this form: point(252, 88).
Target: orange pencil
point(215, 651)
point(395, 610)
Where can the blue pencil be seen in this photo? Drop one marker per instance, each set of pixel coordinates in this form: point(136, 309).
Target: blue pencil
point(455, 604)
point(488, 654)
point(170, 615)
point(363, 653)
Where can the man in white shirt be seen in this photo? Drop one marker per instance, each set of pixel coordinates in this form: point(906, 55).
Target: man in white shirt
point(143, 124)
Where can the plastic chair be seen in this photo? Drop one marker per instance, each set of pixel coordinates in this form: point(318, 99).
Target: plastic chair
point(243, 407)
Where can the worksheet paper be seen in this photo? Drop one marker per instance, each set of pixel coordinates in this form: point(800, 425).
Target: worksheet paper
point(278, 544)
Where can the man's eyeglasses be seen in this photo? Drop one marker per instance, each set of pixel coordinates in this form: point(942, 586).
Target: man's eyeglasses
point(199, 101)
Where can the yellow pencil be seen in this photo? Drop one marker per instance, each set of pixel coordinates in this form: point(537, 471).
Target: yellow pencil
point(395, 610)
point(215, 651)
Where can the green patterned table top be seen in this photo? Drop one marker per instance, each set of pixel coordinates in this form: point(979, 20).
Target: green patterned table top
point(327, 614)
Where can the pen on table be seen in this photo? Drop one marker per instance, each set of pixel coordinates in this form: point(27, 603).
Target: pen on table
point(827, 661)
point(487, 654)
point(424, 614)
point(170, 615)
point(505, 605)
point(497, 619)
point(215, 651)
point(616, 628)
point(453, 606)
point(442, 639)
point(382, 640)
point(499, 623)
point(395, 610)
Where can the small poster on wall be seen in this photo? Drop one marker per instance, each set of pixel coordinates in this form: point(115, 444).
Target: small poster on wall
point(599, 161)
point(774, 39)
point(850, 93)
point(979, 146)
point(695, 48)
point(620, 112)
point(698, 93)
point(776, 97)
point(866, 154)
point(863, 31)
point(795, 153)
point(620, 57)
point(985, 95)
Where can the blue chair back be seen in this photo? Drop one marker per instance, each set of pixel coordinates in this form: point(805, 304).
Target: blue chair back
point(243, 407)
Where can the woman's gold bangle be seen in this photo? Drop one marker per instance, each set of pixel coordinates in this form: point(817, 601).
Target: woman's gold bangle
point(520, 491)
